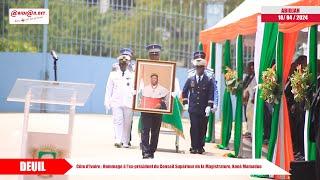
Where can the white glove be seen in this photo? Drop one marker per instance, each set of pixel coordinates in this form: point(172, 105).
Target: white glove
point(185, 107)
point(214, 109)
point(134, 92)
point(107, 108)
point(207, 111)
point(173, 94)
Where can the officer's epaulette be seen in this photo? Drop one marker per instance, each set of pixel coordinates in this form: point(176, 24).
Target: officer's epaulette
point(209, 72)
point(191, 72)
point(115, 67)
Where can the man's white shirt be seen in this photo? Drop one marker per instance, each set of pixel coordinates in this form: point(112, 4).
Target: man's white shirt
point(154, 92)
point(119, 89)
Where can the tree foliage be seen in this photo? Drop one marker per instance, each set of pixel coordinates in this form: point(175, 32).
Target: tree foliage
point(83, 27)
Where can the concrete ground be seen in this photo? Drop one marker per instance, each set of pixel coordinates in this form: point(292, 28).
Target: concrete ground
point(93, 138)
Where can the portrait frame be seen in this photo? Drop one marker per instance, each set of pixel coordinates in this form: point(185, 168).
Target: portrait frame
point(166, 71)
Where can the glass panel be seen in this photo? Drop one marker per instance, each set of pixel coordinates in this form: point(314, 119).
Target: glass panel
point(51, 92)
point(57, 123)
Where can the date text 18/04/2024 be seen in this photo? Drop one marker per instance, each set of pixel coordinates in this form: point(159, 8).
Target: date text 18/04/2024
point(294, 17)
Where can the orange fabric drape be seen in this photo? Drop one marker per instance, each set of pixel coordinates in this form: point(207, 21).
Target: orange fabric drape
point(244, 26)
point(289, 45)
point(206, 49)
point(248, 25)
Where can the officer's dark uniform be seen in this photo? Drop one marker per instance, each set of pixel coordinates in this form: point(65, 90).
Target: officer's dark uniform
point(198, 95)
point(315, 127)
point(151, 122)
point(297, 114)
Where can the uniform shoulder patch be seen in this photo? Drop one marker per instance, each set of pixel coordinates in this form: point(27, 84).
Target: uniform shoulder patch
point(191, 72)
point(209, 72)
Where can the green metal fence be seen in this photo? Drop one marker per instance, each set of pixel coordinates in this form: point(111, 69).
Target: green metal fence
point(102, 27)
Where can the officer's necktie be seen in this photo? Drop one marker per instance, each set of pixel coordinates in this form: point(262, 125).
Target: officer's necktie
point(122, 73)
point(199, 79)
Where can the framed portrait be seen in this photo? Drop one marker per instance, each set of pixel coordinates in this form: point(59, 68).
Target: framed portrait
point(154, 83)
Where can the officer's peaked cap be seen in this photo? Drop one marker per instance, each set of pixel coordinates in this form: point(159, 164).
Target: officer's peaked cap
point(153, 48)
point(126, 51)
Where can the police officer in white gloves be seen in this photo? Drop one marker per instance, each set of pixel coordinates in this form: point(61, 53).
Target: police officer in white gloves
point(198, 99)
point(118, 97)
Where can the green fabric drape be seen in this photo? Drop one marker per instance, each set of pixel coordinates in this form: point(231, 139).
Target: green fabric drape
point(226, 105)
point(313, 70)
point(211, 116)
point(200, 46)
point(239, 105)
point(267, 54)
point(171, 121)
point(276, 107)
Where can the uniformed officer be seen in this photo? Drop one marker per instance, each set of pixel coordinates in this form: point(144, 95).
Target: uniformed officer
point(198, 93)
point(129, 52)
point(118, 97)
point(130, 67)
point(315, 127)
point(297, 113)
point(151, 122)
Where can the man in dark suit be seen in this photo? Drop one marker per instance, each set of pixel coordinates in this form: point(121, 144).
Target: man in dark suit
point(198, 94)
point(296, 113)
point(315, 127)
point(151, 122)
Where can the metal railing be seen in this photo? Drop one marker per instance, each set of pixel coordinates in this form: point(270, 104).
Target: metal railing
point(102, 27)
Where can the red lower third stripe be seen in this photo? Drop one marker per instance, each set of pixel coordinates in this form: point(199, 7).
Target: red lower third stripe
point(290, 17)
point(34, 166)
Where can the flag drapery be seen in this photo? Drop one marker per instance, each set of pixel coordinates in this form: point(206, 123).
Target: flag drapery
point(227, 118)
point(280, 149)
point(310, 148)
point(257, 52)
point(239, 105)
point(267, 54)
point(280, 145)
point(276, 107)
point(211, 121)
point(282, 153)
point(171, 121)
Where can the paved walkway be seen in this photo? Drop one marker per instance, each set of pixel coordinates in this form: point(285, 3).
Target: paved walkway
point(93, 138)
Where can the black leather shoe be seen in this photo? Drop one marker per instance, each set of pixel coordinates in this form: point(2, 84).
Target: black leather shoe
point(147, 156)
point(193, 151)
point(199, 151)
point(152, 156)
point(118, 145)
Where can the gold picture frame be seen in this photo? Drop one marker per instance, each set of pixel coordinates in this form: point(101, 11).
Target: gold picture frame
point(154, 84)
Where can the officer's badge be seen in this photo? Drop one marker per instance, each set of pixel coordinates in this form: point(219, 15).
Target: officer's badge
point(191, 72)
point(192, 84)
